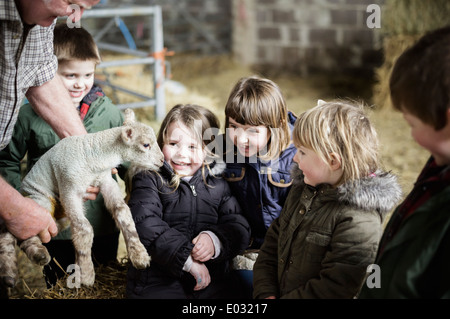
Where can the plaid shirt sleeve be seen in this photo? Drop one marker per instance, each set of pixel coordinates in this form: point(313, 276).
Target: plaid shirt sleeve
point(26, 60)
point(49, 63)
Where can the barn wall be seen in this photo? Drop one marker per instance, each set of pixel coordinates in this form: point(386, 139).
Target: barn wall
point(306, 35)
point(301, 35)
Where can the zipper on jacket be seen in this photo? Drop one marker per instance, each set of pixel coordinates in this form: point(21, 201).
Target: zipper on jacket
point(194, 192)
point(193, 215)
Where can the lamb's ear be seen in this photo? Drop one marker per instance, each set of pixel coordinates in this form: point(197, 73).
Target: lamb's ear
point(320, 102)
point(128, 134)
point(129, 117)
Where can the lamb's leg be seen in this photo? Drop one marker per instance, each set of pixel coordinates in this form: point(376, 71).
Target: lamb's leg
point(8, 259)
point(121, 213)
point(82, 236)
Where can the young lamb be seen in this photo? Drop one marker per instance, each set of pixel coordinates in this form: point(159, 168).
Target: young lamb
point(59, 180)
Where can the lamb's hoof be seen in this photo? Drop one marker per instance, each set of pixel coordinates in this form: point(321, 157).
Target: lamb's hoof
point(139, 259)
point(35, 251)
point(41, 257)
point(88, 280)
point(87, 273)
point(8, 281)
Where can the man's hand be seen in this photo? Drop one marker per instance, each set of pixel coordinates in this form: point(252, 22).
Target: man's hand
point(29, 219)
point(23, 217)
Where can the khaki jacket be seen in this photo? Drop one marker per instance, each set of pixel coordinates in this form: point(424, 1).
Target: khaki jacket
point(324, 239)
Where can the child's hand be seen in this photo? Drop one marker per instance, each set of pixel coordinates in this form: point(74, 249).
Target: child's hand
point(201, 275)
point(203, 249)
point(91, 193)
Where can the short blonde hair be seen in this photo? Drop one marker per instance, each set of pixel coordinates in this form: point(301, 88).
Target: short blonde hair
point(256, 101)
point(340, 127)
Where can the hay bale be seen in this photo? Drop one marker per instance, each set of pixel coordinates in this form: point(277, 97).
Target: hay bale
point(404, 22)
point(393, 47)
point(414, 17)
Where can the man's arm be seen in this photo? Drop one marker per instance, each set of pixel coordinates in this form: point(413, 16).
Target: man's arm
point(52, 102)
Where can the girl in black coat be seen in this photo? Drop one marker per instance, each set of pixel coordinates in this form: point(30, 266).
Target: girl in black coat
point(186, 216)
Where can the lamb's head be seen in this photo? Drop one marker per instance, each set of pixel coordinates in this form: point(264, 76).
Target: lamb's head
point(141, 148)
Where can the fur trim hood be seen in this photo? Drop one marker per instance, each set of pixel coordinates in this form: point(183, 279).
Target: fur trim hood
point(380, 192)
point(218, 167)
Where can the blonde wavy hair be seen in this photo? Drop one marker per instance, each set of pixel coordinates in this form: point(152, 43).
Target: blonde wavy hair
point(257, 101)
point(340, 127)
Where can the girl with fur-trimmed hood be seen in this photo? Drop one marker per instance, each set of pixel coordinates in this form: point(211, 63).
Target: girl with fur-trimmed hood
point(330, 226)
point(186, 216)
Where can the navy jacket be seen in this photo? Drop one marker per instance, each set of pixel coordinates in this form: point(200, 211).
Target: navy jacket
point(261, 187)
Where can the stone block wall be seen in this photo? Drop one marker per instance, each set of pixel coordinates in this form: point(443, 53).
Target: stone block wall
point(301, 35)
point(306, 35)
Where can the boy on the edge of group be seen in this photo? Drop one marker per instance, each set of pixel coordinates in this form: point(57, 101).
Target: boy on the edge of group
point(413, 256)
point(77, 56)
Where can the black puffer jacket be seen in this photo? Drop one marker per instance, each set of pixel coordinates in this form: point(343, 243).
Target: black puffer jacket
point(168, 220)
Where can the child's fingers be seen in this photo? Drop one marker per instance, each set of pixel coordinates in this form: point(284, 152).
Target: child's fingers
point(197, 250)
point(202, 282)
point(202, 254)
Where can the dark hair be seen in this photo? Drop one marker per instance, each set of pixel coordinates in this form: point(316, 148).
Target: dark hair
point(420, 80)
point(74, 44)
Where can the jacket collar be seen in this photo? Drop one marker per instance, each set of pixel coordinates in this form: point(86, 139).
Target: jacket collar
point(380, 192)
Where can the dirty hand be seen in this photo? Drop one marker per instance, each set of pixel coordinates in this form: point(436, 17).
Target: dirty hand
point(201, 274)
point(203, 249)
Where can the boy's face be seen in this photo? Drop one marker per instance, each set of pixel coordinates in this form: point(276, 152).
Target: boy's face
point(437, 142)
point(78, 78)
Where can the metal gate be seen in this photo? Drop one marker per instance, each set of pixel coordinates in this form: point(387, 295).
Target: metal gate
point(155, 56)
